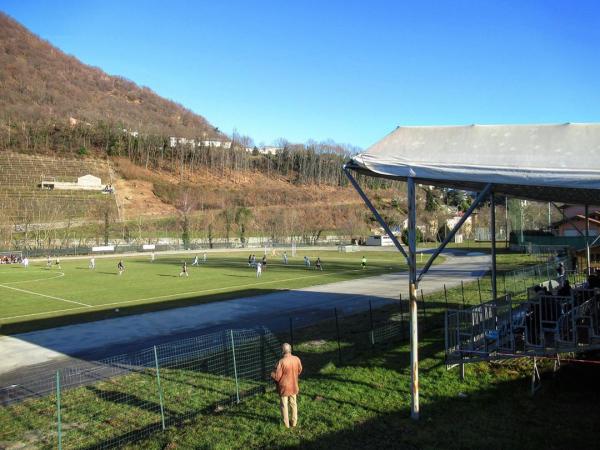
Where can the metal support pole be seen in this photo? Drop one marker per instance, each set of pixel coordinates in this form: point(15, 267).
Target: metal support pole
point(445, 296)
point(337, 330)
point(506, 221)
point(58, 411)
point(382, 222)
point(493, 233)
point(160, 392)
point(371, 323)
point(414, 335)
point(462, 288)
point(587, 240)
point(479, 289)
point(237, 384)
point(424, 306)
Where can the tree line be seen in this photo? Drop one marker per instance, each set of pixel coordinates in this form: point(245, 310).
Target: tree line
point(309, 163)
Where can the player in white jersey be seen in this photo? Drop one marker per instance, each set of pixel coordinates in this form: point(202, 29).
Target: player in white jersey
point(92, 264)
point(258, 269)
point(25, 262)
point(196, 262)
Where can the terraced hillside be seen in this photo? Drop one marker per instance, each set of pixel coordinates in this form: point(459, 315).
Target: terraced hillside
point(23, 202)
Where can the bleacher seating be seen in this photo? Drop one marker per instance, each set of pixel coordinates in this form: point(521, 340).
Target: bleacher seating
point(22, 200)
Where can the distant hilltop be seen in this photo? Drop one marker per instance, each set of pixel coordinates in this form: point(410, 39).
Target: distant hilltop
point(40, 83)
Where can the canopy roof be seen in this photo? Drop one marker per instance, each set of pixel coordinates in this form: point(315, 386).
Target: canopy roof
point(540, 162)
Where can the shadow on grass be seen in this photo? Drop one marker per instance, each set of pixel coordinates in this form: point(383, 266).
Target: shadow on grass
point(564, 414)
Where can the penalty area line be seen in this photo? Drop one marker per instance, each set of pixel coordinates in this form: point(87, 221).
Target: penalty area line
point(44, 295)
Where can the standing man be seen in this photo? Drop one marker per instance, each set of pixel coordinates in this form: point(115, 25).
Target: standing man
point(363, 262)
point(92, 264)
point(152, 257)
point(204, 257)
point(196, 262)
point(258, 269)
point(560, 272)
point(285, 261)
point(25, 262)
point(286, 374)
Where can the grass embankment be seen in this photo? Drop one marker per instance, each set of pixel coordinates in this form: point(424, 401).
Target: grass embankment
point(39, 297)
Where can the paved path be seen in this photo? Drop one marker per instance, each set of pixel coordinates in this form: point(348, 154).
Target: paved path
point(95, 340)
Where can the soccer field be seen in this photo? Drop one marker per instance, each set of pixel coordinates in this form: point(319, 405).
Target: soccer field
point(39, 297)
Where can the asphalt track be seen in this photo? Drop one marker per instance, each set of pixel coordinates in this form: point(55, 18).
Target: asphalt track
point(58, 347)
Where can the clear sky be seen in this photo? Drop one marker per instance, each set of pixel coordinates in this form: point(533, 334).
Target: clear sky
point(346, 70)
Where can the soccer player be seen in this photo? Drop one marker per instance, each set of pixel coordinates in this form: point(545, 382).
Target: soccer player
point(264, 262)
point(196, 262)
point(363, 262)
point(92, 264)
point(204, 257)
point(249, 260)
point(25, 262)
point(57, 263)
point(152, 257)
point(318, 265)
point(258, 270)
point(307, 261)
point(285, 261)
point(184, 270)
point(120, 267)
point(48, 262)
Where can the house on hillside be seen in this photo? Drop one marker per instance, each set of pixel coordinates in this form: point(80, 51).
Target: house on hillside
point(575, 219)
point(85, 183)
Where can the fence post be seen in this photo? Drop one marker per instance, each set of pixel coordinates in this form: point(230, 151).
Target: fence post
point(237, 385)
point(445, 295)
point(371, 323)
point(160, 392)
point(292, 333)
point(462, 288)
point(58, 412)
point(504, 281)
point(337, 328)
point(424, 307)
point(479, 288)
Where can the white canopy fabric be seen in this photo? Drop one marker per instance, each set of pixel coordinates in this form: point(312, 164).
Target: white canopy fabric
point(540, 162)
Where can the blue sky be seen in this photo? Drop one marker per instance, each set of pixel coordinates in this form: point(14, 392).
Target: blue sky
point(346, 70)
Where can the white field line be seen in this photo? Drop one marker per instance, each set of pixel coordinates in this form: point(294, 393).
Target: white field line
point(173, 295)
point(59, 275)
point(44, 295)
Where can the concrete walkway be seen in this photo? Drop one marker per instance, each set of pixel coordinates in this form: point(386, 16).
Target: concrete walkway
point(55, 347)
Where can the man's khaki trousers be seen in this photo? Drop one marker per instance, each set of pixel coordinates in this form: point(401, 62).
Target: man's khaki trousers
point(291, 400)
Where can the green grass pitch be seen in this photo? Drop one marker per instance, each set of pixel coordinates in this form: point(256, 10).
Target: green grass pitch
point(40, 297)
